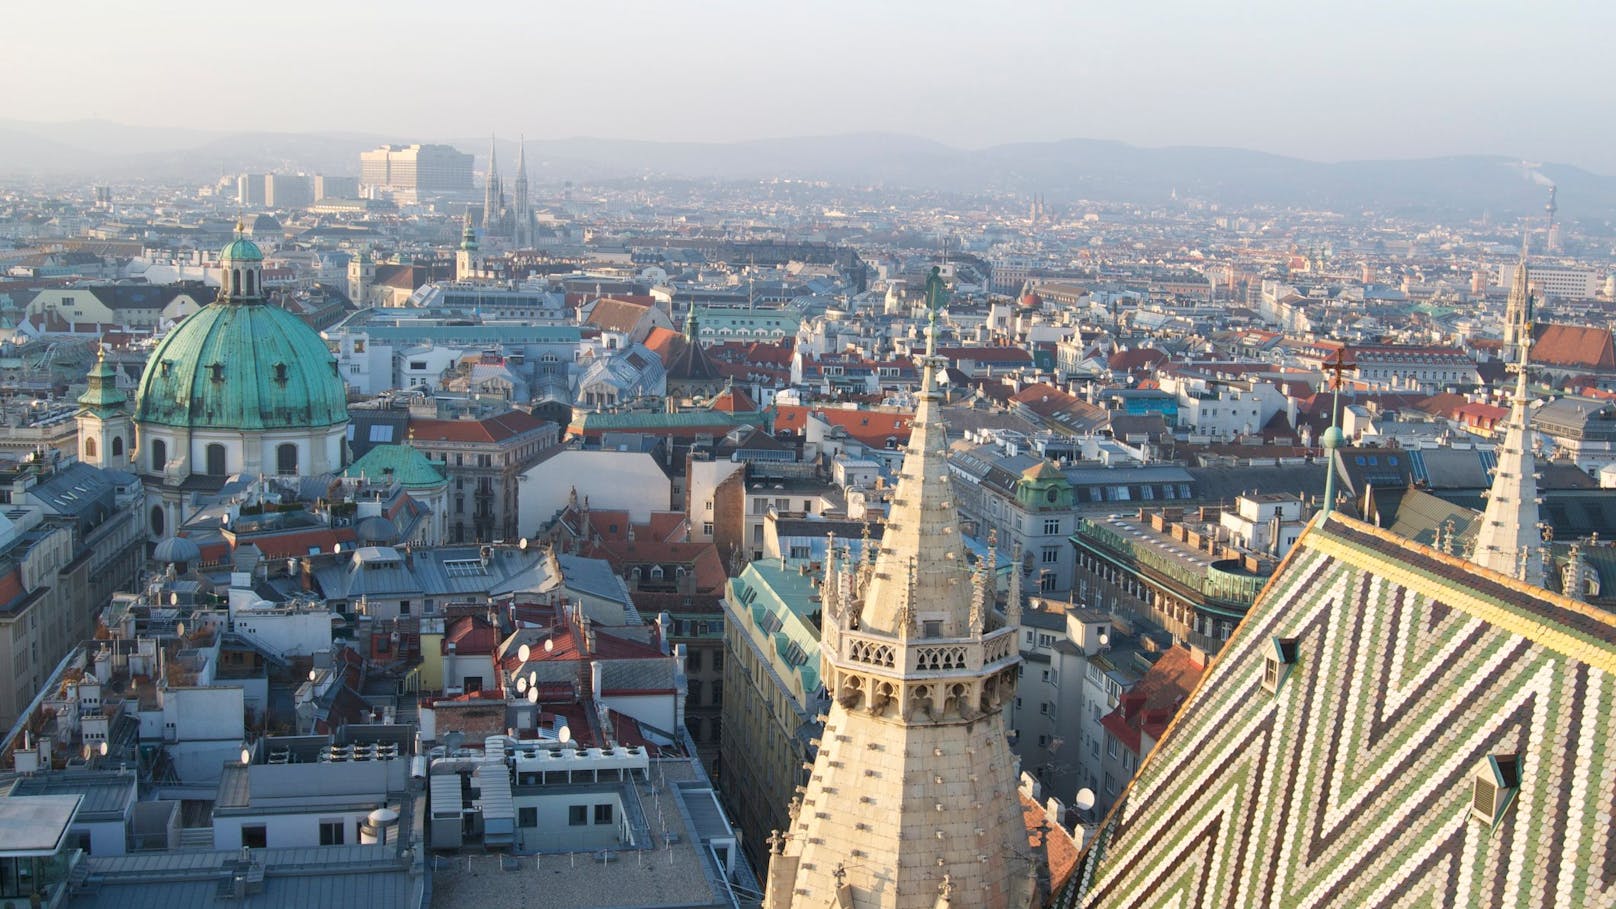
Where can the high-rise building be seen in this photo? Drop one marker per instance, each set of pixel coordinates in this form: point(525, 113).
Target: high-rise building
point(288, 190)
point(327, 187)
point(912, 802)
point(415, 171)
point(1562, 281)
point(250, 189)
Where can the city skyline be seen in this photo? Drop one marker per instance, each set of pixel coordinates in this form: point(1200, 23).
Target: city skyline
point(1386, 83)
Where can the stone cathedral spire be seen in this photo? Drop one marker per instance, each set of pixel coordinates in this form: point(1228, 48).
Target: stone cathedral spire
point(493, 192)
point(912, 802)
point(521, 215)
point(1509, 541)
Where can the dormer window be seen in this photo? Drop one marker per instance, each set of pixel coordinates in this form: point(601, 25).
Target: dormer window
point(280, 374)
point(1277, 662)
point(166, 367)
point(216, 372)
point(1493, 787)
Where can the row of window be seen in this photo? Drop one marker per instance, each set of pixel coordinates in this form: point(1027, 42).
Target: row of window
point(213, 460)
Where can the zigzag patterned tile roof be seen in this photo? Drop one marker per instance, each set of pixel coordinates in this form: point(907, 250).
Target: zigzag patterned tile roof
point(1352, 784)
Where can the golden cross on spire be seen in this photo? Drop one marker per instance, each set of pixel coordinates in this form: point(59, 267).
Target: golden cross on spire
point(1338, 364)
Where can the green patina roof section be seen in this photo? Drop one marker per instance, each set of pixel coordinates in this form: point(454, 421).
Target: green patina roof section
point(404, 463)
point(241, 249)
point(273, 372)
point(103, 393)
point(764, 589)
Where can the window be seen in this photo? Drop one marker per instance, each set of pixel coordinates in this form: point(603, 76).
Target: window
point(577, 815)
point(707, 526)
point(1277, 662)
point(1111, 746)
point(1051, 555)
point(159, 455)
point(603, 813)
point(89, 446)
point(694, 688)
point(157, 520)
point(1052, 525)
point(718, 696)
point(932, 628)
point(117, 446)
point(331, 832)
point(255, 836)
point(1043, 708)
point(527, 817)
point(215, 459)
point(718, 661)
point(693, 661)
point(286, 460)
point(1493, 787)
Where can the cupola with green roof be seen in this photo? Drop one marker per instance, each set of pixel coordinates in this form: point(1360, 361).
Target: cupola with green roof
point(105, 433)
point(240, 363)
point(241, 387)
point(1043, 486)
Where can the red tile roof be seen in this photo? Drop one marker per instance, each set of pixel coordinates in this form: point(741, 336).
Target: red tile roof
point(872, 428)
point(665, 343)
point(492, 429)
point(1149, 705)
point(1574, 345)
point(471, 634)
point(617, 314)
point(734, 400)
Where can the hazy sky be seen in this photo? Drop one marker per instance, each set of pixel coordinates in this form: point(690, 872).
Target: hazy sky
point(1316, 78)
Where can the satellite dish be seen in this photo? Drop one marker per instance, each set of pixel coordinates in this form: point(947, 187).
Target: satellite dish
point(173, 598)
point(522, 544)
point(103, 748)
point(565, 735)
point(313, 674)
point(533, 695)
point(336, 547)
point(453, 740)
point(521, 686)
point(523, 652)
point(179, 630)
point(549, 645)
point(246, 756)
point(1084, 800)
point(1105, 639)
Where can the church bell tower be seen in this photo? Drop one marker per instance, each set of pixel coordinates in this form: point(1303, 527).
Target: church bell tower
point(912, 802)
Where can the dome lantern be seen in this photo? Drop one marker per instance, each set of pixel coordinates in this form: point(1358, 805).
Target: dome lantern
point(241, 270)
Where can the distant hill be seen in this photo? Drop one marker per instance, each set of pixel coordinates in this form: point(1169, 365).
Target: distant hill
point(1062, 170)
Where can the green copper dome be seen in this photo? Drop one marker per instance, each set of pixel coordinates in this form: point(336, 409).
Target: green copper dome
point(241, 366)
point(404, 463)
point(241, 249)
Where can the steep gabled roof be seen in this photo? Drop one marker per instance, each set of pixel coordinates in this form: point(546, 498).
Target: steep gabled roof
point(1350, 784)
